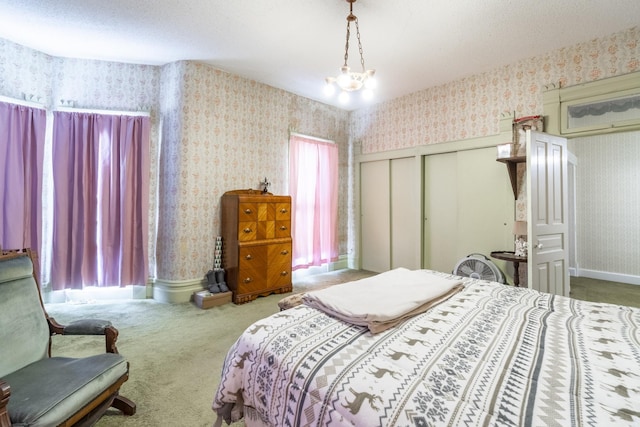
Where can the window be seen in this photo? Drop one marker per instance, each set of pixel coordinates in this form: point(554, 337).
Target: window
point(100, 200)
point(22, 136)
point(313, 166)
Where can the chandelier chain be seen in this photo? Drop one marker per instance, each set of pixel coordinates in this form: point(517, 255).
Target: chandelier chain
point(346, 45)
point(360, 45)
point(350, 80)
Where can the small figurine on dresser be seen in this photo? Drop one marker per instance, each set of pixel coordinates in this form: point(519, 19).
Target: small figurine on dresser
point(265, 185)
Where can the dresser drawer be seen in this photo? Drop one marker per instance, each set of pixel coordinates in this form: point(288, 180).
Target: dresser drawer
point(247, 231)
point(252, 271)
point(283, 211)
point(278, 277)
point(247, 211)
point(279, 253)
point(282, 228)
point(279, 266)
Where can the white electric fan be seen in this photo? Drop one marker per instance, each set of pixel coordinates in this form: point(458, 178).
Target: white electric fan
point(478, 266)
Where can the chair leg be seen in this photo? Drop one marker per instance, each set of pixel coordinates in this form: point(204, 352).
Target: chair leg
point(125, 405)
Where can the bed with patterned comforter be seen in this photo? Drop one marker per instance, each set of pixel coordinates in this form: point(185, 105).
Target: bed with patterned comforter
point(489, 355)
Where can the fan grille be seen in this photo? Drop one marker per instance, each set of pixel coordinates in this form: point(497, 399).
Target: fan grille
point(478, 268)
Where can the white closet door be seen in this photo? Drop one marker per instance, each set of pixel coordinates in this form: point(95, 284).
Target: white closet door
point(375, 216)
point(440, 211)
point(485, 204)
point(405, 214)
point(468, 207)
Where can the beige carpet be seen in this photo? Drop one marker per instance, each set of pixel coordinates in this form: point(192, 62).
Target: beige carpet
point(175, 351)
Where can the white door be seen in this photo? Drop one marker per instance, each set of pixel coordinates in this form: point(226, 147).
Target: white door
point(468, 207)
point(405, 213)
point(440, 212)
point(375, 216)
point(547, 213)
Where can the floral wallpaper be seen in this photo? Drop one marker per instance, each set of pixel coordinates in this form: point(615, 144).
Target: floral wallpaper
point(223, 132)
point(213, 131)
point(471, 107)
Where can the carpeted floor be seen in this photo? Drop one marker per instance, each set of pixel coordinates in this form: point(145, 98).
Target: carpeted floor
point(587, 289)
point(176, 351)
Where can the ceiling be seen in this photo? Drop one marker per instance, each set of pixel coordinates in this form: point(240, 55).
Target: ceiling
point(294, 44)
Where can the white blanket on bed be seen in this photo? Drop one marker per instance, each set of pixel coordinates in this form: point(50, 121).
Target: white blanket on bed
point(382, 301)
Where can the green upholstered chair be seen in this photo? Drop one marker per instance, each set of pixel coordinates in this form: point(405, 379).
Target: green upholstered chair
point(35, 388)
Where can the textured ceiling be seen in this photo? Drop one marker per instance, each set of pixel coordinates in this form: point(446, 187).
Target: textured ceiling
point(295, 44)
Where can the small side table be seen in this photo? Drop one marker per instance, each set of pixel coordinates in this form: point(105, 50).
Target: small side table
point(516, 260)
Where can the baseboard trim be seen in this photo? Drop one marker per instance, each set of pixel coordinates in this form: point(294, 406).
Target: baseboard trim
point(166, 291)
point(175, 291)
point(340, 264)
point(605, 275)
point(93, 293)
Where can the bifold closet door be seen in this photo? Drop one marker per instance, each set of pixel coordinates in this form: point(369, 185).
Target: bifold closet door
point(375, 216)
point(440, 211)
point(405, 213)
point(468, 207)
point(390, 214)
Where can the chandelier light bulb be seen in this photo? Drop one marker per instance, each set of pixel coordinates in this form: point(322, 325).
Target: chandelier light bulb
point(344, 78)
point(370, 82)
point(329, 88)
point(343, 97)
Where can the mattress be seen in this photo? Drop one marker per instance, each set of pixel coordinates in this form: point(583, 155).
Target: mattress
point(489, 355)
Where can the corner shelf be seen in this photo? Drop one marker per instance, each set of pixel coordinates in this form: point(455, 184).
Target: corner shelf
point(512, 167)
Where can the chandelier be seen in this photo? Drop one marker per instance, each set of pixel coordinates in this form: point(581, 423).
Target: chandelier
point(350, 81)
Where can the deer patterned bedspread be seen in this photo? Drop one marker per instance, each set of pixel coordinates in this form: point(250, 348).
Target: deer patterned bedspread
point(490, 355)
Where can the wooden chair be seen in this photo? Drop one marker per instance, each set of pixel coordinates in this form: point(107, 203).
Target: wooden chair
point(35, 388)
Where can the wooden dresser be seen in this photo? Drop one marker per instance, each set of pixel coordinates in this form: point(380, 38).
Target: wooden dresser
point(256, 243)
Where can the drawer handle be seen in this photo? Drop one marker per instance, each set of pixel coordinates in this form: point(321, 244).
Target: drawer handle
point(283, 210)
point(284, 273)
point(248, 256)
point(247, 230)
point(248, 280)
point(284, 252)
point(282, 227)
point(247, 211)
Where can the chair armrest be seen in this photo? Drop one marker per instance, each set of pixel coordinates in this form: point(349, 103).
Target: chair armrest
point(87, 327)
point(5, 392)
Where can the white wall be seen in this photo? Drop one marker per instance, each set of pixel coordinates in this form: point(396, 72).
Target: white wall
point(608, 206)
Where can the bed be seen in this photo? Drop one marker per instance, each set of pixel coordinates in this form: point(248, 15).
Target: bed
point(486, 354)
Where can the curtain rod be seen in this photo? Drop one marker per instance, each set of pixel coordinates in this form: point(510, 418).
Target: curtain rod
point(293, 133)
point(22, 102)
point(71, 109)
point(94, 110)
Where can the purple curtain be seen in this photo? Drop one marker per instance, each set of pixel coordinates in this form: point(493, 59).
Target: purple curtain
point(313, 183)
point(101, 200)
point(22, 134)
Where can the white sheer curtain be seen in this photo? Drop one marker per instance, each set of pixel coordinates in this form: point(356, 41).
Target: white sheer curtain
point(313, 183)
